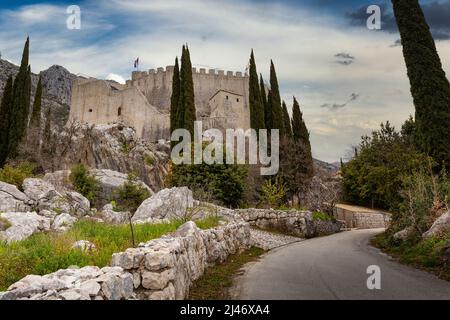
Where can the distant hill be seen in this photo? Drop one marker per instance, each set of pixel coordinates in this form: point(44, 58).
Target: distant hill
point(57, 84)
point(326, 167)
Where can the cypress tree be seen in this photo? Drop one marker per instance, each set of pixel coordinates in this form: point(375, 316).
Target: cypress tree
point(35, 120)
point(430, 88)
point(255, 99)
point(264, 98)
point(286, 122)
point(269, 122)
point(175, 98)
point(187, 111)
point(180, 112)
point(47, 133)
point(21, 102)
point(275, 101)
point(299, 130)
point(5, 118)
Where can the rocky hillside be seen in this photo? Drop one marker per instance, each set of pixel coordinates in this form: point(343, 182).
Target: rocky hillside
point(57, 84)
point(114, 147)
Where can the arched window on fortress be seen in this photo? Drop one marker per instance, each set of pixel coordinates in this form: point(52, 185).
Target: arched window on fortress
point(119, 111)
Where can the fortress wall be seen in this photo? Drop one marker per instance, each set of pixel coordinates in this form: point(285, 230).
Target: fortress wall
point(105, 102)
point(156, 85)
point(94, 102)
point(149, 123)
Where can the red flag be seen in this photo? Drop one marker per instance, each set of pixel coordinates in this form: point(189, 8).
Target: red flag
point(136, 62)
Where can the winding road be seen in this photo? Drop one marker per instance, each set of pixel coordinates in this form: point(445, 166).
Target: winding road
point(334, 267)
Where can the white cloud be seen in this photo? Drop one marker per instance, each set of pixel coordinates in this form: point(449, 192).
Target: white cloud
point(115, 77)
point(221, 34)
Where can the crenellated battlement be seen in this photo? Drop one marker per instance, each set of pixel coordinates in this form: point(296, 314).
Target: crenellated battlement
point(137, 75)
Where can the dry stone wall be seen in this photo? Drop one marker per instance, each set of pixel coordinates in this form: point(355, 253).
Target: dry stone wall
point(297, 223)
point(161, 269)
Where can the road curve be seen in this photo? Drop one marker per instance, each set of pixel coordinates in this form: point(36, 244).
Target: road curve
point(334, 267)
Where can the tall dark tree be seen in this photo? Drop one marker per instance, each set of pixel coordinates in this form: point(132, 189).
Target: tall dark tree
point(21, 102)
point(255, 99)
point(265, 98)
point(275, 101)
point(175, 98)
point(35, 120)
point(429, 86)
point(187, 113)
point(269, 120)
point(286, 122)
point(299, 129)
point(5, 120)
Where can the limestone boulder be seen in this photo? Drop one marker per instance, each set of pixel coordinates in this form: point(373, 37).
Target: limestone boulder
point(84, 245)
point(174, 203)
point(440, 226)
point(63, 222)
point(114, 217)
point(12, 199)
point(46, 197)
point(403, 234)
point(109, 181)
point(59, 179)
point(69, 201)
point(22, 225)
point(39, 190)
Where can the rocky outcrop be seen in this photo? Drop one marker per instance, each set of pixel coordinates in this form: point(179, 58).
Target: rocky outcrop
point(63, 222)
point(404, 234)
point(440, 226)
point(11, 199)
point(174, 203)
point(22, 225)
point(296, 223)
point(113, 147)
point(46, 197)
point(57, 89)
point(114, 217)
point(109, 181)
point(88, 283)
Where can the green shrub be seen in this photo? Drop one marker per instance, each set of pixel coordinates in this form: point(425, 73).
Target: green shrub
point(321, 216)
point(224, 184)
point(273, 191)
point(16, 175)
point(374, 177)
point(130, 195)
point(84, 183)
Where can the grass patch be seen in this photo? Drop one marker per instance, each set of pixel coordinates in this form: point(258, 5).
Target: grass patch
point(217, 280)
point(431, 254)
point(45, 253)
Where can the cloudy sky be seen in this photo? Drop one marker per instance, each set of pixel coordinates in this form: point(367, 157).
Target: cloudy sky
point(347, 78)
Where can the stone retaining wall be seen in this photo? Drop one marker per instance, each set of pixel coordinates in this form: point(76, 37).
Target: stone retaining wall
point(293, 222)
point(160, 269)
point(370, 220)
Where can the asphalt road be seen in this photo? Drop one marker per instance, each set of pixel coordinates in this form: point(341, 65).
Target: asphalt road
point(335, 267)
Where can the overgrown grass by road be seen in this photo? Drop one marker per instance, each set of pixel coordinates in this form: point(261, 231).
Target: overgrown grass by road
point(217, 280)
point(431, 254)
point(48, 252)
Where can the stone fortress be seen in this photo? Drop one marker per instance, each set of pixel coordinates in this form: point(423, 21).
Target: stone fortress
point(221, 100)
